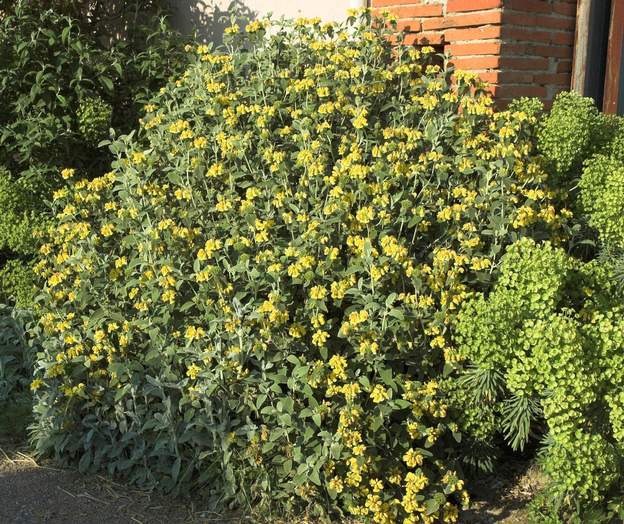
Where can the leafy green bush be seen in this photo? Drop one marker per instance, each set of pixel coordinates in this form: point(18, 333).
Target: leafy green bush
point(94, 119)
point(14, 360)
point(16, 364)
point(23, 211)
point(616, 145)
point(547, 344)
point(257, 298)
point(63, 84)
point(576, 140)
point(602, 198)
point(571, 133)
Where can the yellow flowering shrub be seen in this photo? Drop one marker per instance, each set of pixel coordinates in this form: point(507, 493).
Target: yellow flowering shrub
point(257, 298)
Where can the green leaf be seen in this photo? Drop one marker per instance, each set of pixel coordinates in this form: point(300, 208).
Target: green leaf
point(107, 83)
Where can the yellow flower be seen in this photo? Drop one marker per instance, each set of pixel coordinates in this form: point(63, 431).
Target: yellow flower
point(322, 92)
point(67, 173)
point(438, 342)
point(350, 391)
point(179, 126)
point(185, 135)
point(318, 293)
point(379, 394)
point(194, 333)
point(223, 204)
point(338, 365)
point(365, 215)
point(318, 320)
point(183, 193)
point(193, 371)
point(200, 142)
point(168, 296)
point(107, 230)
point(360, 121)
point(376, 485)
point(320, 337)
point(479, 264)
point(296, 331)
point(36, 384)
point(215, 170)
point(413, 458)
point(232, 30)
point(138, 157)
point(254, 26)
point(336, 484)
point(210, 247)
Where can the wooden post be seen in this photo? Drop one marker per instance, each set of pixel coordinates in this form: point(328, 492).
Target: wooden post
point(581, 46)
point(615, 63)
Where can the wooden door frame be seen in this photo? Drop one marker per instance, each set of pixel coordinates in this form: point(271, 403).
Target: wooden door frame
point(591, 44)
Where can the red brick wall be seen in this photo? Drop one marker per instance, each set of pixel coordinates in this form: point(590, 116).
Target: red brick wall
point(522, 47)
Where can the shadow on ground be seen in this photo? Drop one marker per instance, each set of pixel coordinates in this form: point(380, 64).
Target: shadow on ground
point(39, 494)
point(503, 497)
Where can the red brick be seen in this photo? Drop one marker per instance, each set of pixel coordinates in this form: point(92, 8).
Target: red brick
point(480, 33)
point(538, 20)
point(409, 25)
point(481, 48)
point(553, 78)
point(524, 63)
point(528, 34)
point(567, 9)
point(477, 64)
point(490, 77)
point(386, 3)
point(417, 11)
point(502, 103)
point(530, 6)
point(515, 49)
point(431, 38)
point(434, 23)
point(506, 77)
point(464, 20)
point(562, 38)
point(455, 6)
point(514, 91)
point(549, 50)
point(520, 47)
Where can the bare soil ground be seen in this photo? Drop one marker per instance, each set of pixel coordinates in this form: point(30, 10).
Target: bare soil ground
point(32, 493)
point(503, 497)
point(39, 493)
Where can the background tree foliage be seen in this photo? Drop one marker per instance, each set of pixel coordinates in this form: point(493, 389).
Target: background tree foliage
point(69, 72)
